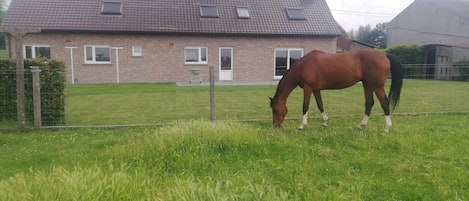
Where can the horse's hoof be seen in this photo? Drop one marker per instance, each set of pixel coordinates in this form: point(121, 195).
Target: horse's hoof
point(360, 127)
point(301, 128)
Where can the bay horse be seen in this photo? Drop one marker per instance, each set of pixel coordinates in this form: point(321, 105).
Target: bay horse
point(319, 70)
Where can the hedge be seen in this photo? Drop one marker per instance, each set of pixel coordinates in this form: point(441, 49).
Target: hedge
point(52, 80)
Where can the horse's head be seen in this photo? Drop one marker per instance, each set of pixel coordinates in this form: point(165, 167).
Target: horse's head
point(279, 110)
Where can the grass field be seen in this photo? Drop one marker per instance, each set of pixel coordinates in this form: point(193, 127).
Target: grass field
point(116, 104)
point(423, 158)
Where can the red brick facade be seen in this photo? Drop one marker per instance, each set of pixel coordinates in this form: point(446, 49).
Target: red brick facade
point(162, 57)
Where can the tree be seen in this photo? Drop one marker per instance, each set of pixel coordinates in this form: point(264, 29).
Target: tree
point(375, 36)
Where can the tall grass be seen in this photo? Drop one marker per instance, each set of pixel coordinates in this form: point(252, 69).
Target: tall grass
point(423, 158)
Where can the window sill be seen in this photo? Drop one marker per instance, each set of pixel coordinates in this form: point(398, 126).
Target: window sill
point(195, 64)
point(97, 63)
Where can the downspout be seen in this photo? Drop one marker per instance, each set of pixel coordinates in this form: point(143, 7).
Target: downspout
point(71, 63)
point(117, 62)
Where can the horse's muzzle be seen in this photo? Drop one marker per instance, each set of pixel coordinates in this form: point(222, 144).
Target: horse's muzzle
point(278, 125)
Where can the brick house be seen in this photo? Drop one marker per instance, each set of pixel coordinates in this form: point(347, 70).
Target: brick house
point(105, 41)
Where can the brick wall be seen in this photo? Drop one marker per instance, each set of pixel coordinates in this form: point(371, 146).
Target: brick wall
point(163, 55)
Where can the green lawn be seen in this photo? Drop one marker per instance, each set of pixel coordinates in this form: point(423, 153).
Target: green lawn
point(117, 104)
point(424, 157)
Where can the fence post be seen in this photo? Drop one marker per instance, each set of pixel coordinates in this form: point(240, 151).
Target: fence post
point(36, 96)
point(212, 94)
point(18, 32)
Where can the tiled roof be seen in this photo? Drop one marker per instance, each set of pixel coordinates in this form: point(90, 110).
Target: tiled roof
point(268, 17)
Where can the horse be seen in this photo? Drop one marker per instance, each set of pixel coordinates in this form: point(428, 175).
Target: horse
point(319, 70)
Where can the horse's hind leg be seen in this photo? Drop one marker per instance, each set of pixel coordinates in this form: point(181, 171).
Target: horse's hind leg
point(369, 102)
point(385, 105)
point(317, 96)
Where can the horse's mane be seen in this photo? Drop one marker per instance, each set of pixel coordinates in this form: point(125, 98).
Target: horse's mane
point(279, 83)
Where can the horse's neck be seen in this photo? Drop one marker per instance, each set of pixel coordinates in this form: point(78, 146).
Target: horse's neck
point(285, 88)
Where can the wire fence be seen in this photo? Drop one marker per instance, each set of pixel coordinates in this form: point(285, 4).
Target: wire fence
point(427, 89)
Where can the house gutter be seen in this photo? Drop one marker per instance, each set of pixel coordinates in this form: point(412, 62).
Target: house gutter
point(182, 33)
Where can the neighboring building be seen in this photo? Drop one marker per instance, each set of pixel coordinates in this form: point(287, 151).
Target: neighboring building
point(440, 26)
point(344, 43)
point(166, 40)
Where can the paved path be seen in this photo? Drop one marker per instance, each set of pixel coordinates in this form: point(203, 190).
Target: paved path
point(222, 83)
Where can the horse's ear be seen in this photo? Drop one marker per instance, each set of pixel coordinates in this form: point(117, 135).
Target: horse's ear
point(270, 98)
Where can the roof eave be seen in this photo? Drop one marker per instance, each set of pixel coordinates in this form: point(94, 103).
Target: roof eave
point(191, 33)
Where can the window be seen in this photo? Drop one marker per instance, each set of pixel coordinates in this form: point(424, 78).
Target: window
point(295, 14)
point(137, 51)
point(195, 55)
point(208, 11)
point(111, 8)
point(97, 54)
point(31, 51)
point(285, 58)
point(242, 12)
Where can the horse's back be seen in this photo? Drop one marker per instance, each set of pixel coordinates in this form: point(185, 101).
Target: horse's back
point(323, 70)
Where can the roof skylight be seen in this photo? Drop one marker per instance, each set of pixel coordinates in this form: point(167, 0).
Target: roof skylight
point(209, 11)
point(243, 12)
point(295, 14)
point(111, 7)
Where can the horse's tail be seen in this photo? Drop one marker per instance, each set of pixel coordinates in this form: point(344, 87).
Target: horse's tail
point(396, 81)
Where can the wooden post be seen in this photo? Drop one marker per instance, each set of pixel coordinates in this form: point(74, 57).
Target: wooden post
point(212, 94)
point(18, 32)
point(36, 96)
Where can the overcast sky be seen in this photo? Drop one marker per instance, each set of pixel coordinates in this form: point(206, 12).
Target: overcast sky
point(353, 13)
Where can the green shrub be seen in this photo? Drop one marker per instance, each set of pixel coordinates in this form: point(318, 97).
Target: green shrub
point(408, 54)
point(52, 79)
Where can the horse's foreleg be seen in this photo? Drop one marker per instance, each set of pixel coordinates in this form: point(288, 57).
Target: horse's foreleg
point(369, 102)
point(317, 96)
point(306, 99)
point(385, 105)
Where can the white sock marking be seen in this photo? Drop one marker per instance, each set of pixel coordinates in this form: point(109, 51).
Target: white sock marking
point(324, 119)
point(364, 122)
point(304, 121)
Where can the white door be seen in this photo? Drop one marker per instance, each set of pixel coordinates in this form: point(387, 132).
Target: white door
point(226, 63)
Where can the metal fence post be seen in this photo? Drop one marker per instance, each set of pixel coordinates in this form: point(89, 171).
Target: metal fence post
point(36, 96)
point(212, 94)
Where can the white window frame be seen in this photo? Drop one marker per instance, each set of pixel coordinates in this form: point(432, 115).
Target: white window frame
point(137, 51)
point(199, 54)
point(288, 58)
point(33, 50)
point(93, 61)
